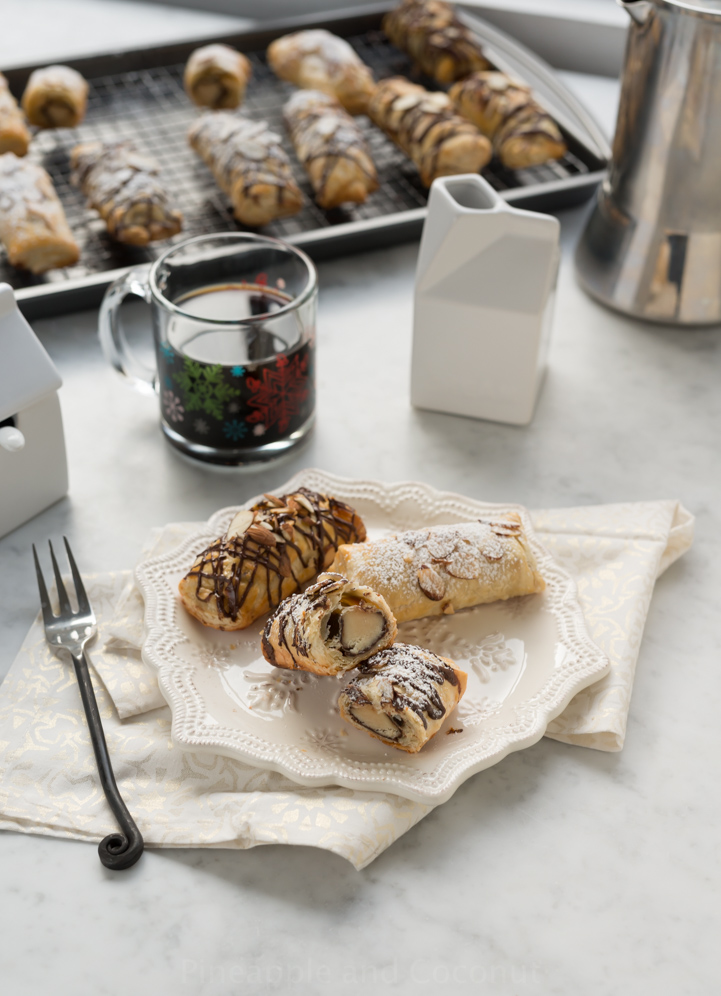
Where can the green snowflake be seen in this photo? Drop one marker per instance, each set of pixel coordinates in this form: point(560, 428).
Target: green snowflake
point(204, 388)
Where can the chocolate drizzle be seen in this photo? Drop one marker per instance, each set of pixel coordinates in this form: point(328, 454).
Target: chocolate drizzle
point(411, 678)
point(432, 34)
point(307, 528)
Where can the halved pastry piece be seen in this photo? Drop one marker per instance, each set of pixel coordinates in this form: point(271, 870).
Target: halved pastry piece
point(329, 628)
point(434, 571)
point(319, 60)
point(402, 695)
point(14, 134)
point(269, 551)
point(216, 76)
point(331, 148)
point(55, 97)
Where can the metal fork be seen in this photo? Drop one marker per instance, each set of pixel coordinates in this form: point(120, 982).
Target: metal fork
point(72, 631)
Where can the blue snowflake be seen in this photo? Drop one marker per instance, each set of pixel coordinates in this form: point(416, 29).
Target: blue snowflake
point(167, 351)
point(169, 383)
point(237, 371)
point(234, 429)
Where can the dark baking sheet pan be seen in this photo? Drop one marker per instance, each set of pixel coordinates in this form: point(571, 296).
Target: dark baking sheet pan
point(139, 95)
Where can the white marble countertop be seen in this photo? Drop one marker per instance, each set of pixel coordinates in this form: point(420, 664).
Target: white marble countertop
point(561, 870)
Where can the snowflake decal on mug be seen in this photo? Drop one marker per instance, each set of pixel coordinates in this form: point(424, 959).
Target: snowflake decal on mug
point(172, 407)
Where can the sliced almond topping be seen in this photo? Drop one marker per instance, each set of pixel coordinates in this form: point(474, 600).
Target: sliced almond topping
point(293, 505)
point(447, 609)
point(431, 583)
point(284, 567)
point(302, 500)
point(272, 500)
point(240, 523)
point(262, 535)
point(287, 528)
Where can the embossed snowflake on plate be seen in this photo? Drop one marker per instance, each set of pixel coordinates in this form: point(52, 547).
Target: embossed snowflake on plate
point(278, 690)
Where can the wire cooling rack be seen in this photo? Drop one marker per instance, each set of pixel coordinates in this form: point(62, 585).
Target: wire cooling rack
point(148, 106)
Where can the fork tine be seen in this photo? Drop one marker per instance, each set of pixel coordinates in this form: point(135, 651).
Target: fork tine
point(83, 603)
point(48, 616)
point(65, 608)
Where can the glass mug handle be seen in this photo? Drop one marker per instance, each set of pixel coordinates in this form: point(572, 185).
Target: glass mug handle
point(112, 337)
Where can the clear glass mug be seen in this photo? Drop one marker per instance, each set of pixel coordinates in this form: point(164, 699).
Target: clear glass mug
point(234, 332)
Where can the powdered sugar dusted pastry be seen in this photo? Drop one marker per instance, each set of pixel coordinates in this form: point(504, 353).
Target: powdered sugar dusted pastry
point(126, 190)
point(331, 147)
point(402, 695)
point(55, 97)
point(216, 76)
point(523, 134)
point(14, 135)
point(437, 41)
point(268, 552)
point(429, 572)
point(249, 165)
point(427, 128)
point(329, 628)
point(33, 227)
point(319, 60)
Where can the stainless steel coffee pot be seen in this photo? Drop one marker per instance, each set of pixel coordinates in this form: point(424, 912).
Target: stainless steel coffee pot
point(652, 245)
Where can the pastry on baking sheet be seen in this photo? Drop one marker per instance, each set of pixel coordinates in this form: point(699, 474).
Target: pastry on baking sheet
point(33, 227)
point(319, 60)
point(126, 190)
point(55, 97)
point(437, 41)
point(522, 133)
point(329, 628)
point(434, 571)
point(426, 126)
point(268, 552)
point(402, 695)
point(216, 76)
point(14, 134)
point(249, 165)
point(331, 148)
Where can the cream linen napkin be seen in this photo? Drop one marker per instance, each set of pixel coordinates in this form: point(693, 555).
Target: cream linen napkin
point(48, 782)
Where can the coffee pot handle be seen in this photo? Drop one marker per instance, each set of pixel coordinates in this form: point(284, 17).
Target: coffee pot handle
point(112, 336)
point(638, 10)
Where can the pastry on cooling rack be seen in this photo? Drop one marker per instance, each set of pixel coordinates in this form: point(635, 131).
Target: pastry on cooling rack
point(319, 60)
point(14, 135)
point(437, 41)
point(269, 551)
point(522, 133)
point(55, 97)
point(126, 190)
point(331, 148)
point(33, 227)
point(434, 571)
point(402, 695)
point(249, 165)
point(329, 628)
point(425, 125)
point(216, 76)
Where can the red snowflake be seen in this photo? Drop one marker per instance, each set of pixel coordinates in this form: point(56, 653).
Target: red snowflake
point(280, 393)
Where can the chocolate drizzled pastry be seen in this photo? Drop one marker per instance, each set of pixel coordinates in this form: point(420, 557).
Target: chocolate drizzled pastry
point(439, 570)
point(269, 552)
point(329, 628)
point(14, 134)
point(126, 190)
point(216, 76)
point(437, 41)
point(402, 695)
point(33, 226)
point(427, 128)
point(319, 60)
point(55, 97)
point(249, 165)
point(523, 134)
point(331, 148)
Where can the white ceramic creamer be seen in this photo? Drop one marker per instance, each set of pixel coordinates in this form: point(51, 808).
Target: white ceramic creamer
point(485, 289)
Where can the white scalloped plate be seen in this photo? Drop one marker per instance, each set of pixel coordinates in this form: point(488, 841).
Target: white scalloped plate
point(526, 658)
